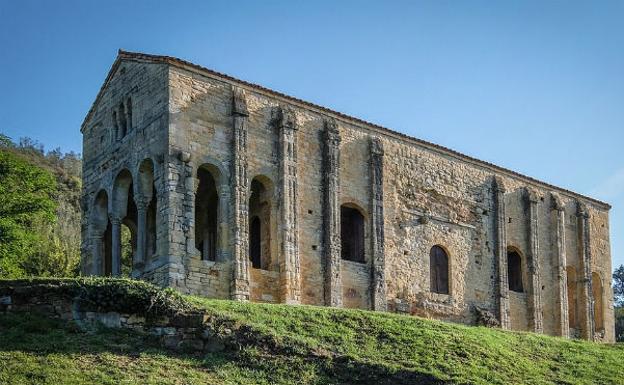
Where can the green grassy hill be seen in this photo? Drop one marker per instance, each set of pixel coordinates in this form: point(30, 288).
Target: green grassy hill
point(281, 344)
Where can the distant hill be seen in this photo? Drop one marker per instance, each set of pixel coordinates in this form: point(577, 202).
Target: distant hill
point(33, 242)
point(279, 344)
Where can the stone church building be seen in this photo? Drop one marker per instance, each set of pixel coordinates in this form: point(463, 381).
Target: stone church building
point(232, 190)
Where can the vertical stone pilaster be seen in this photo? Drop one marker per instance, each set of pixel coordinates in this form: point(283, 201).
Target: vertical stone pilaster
point(378, 299)
point(141, 206)
point(586, 301)
point(116, 246)
point(535, 288)
point(502, 282)
point(560, 255)
point(240, 204)
point(290, 278)
point(331, 215)
point(223, 191)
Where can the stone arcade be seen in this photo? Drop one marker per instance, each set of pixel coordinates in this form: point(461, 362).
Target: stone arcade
point(231, 190)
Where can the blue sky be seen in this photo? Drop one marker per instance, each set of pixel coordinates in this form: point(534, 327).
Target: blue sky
point(535, 86)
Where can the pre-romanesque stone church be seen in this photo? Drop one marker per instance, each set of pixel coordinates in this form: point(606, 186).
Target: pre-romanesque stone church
point(222, 188)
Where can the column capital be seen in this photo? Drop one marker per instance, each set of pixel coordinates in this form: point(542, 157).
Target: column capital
point(498, 184)
point(531, 195)
point(557, 204)
point(376, 146)
point(239, 102)
point(332, 134)
point(141, 202)
point(285, 118)
point(114, 219)
point(582, 210)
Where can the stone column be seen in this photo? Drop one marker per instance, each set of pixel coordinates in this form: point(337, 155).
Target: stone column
point(97, 241)
point(377, 213)
point(502, 282)
point(586, 300)
point(240, 188)
point(560, 255)
point(141, 206)
point(331, 215)
point(290, 269)
point(535, 288)
point(116, 246)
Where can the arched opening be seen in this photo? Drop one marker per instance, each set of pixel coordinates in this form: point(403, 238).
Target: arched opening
point(514, 271)
point(128, 248)
point(116, 132)
point(129, 113)
point(439, 270)
point(352, 234)
point(122, 120)
point(206, 213)
point(598, 304)
point(571, 275)
point(125, 214)
point(260, 224)
point(147, 213)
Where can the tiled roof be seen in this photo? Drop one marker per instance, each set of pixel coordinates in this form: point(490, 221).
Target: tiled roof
point(126, 55)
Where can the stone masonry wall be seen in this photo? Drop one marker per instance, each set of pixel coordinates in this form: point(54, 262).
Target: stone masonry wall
point(429, 196)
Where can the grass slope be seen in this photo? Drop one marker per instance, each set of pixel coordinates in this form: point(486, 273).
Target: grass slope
point(281, 344)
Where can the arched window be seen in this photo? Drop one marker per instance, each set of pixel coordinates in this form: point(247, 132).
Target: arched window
point(116, 133)
point(122, 120)
point(260, 224)
point(206, 208)
point(352, 234)
point(439, 269)
point(255, 243)
point(129, 113)
point(514, 271)
point(598, 307)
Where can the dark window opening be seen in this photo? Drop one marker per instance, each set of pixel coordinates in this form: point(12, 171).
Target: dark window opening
point(514, 271)
point(122, 120)
point(260, 225)
point(129, 113)
point(255, 243)
point(439, 268)
point(352, 234)
point(116, 133)
point(206, 209)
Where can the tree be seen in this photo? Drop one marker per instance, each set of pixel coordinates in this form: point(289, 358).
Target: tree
point(618, 286)
point(26, 202)
point(618, 299)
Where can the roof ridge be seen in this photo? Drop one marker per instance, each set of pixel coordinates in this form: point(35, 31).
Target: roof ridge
point(123, 54)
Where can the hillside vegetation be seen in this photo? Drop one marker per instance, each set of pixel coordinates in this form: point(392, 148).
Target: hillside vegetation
point(282, 344)
point(39, 210)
